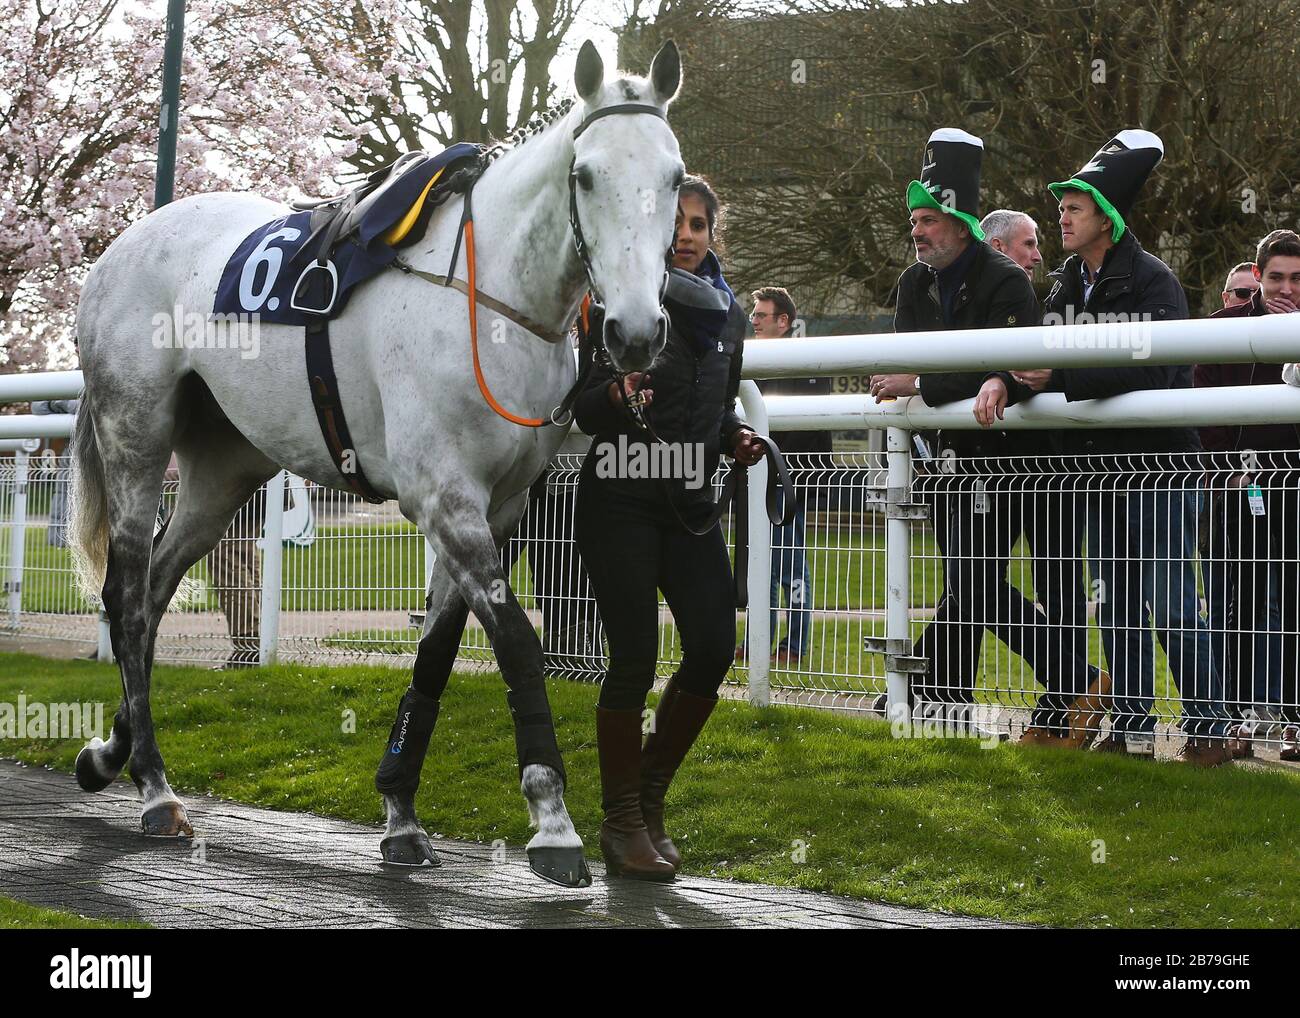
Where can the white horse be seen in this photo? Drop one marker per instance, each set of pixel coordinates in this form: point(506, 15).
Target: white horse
point(421, 428)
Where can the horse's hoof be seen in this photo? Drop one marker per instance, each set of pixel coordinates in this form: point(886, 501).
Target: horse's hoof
point(88, 775)
point(564, 866)
point(409, 850)
point(166, 820)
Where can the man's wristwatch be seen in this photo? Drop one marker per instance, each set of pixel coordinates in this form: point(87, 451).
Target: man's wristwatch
point(917, 385)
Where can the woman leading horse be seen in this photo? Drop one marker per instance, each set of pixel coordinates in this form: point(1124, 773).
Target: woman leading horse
point(636, 535)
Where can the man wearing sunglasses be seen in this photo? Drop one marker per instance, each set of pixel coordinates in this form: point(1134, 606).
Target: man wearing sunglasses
point(1241, 285)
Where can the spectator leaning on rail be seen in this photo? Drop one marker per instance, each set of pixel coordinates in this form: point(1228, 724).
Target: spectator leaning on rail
point(1053, 522)
point(1142, 539)
point(774, 317)
point(1252, 542)
point(959, 282)
point(629, 528)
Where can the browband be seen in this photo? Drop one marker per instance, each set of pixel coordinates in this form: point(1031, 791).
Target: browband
point(620, 108)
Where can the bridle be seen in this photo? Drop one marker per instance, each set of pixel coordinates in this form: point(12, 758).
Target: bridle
point(635, 402)
point(575, 223)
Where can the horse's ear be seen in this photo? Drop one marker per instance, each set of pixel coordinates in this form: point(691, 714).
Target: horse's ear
point(666, 72)
point(589, 72)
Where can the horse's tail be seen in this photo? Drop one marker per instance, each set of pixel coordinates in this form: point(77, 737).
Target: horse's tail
point(88, 510)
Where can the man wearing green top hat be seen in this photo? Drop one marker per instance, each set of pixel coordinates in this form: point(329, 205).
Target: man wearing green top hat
point(979, 505)
point(1141, 537)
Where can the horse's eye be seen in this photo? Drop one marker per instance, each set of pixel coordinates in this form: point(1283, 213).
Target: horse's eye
point(679, 179)
point(583, 176)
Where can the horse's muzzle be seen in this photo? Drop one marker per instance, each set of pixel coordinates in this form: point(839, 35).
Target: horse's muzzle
point(629, 352)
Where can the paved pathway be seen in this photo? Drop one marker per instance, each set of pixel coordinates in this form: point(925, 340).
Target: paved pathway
point(62, 848)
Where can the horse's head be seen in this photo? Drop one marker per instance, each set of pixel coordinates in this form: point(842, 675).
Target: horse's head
point(626, 169)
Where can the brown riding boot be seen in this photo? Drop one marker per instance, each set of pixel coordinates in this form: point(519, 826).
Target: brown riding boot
point(624, 842)
point(678, 722)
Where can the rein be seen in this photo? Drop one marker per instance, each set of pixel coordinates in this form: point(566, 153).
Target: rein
point(735, 490)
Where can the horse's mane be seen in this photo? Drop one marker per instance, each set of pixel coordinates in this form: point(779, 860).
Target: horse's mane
point(543, 122)
point(525, 132)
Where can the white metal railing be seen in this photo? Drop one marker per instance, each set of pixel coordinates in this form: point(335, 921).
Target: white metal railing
point(1268, 339)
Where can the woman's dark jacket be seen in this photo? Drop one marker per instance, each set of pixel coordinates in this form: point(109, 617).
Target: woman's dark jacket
point(694, 402)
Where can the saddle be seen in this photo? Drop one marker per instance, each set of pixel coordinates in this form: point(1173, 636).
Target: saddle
point(393, 204)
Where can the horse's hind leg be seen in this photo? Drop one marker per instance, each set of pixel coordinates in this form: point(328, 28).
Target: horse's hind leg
point(134, 462)
point(220, 470)
point(469, 548)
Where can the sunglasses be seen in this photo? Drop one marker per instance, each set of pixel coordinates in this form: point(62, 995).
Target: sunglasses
point(1242, 292)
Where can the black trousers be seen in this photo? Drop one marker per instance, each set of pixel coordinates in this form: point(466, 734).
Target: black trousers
point(1251, 566)
point(976, 539)
point(634, 547)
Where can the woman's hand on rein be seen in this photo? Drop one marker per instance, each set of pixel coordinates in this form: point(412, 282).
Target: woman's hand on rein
point(630, 381)
point(746, 448)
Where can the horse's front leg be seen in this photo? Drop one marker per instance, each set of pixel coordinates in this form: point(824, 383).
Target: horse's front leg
point(405, 841)
point(469, 552)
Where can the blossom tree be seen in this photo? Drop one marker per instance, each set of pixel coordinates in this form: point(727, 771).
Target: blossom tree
point(80, 83)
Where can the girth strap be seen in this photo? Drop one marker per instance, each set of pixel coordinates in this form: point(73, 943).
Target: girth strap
point(324, 385)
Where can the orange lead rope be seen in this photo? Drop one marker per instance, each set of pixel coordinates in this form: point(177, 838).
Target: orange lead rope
point(527, 422)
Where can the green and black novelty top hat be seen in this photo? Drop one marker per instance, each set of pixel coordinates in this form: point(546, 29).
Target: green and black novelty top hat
point(950, 177)
point(1115, 175)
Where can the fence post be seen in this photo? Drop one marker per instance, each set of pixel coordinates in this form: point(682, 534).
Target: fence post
point(272, 570)
point(17, 540)
point(898, 570)
point(758, 625)
point(104, 638)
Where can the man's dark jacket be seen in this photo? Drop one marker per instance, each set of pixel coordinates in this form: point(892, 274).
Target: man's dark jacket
point(995, 293)
point(1223, 438)
point(1131, 282)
